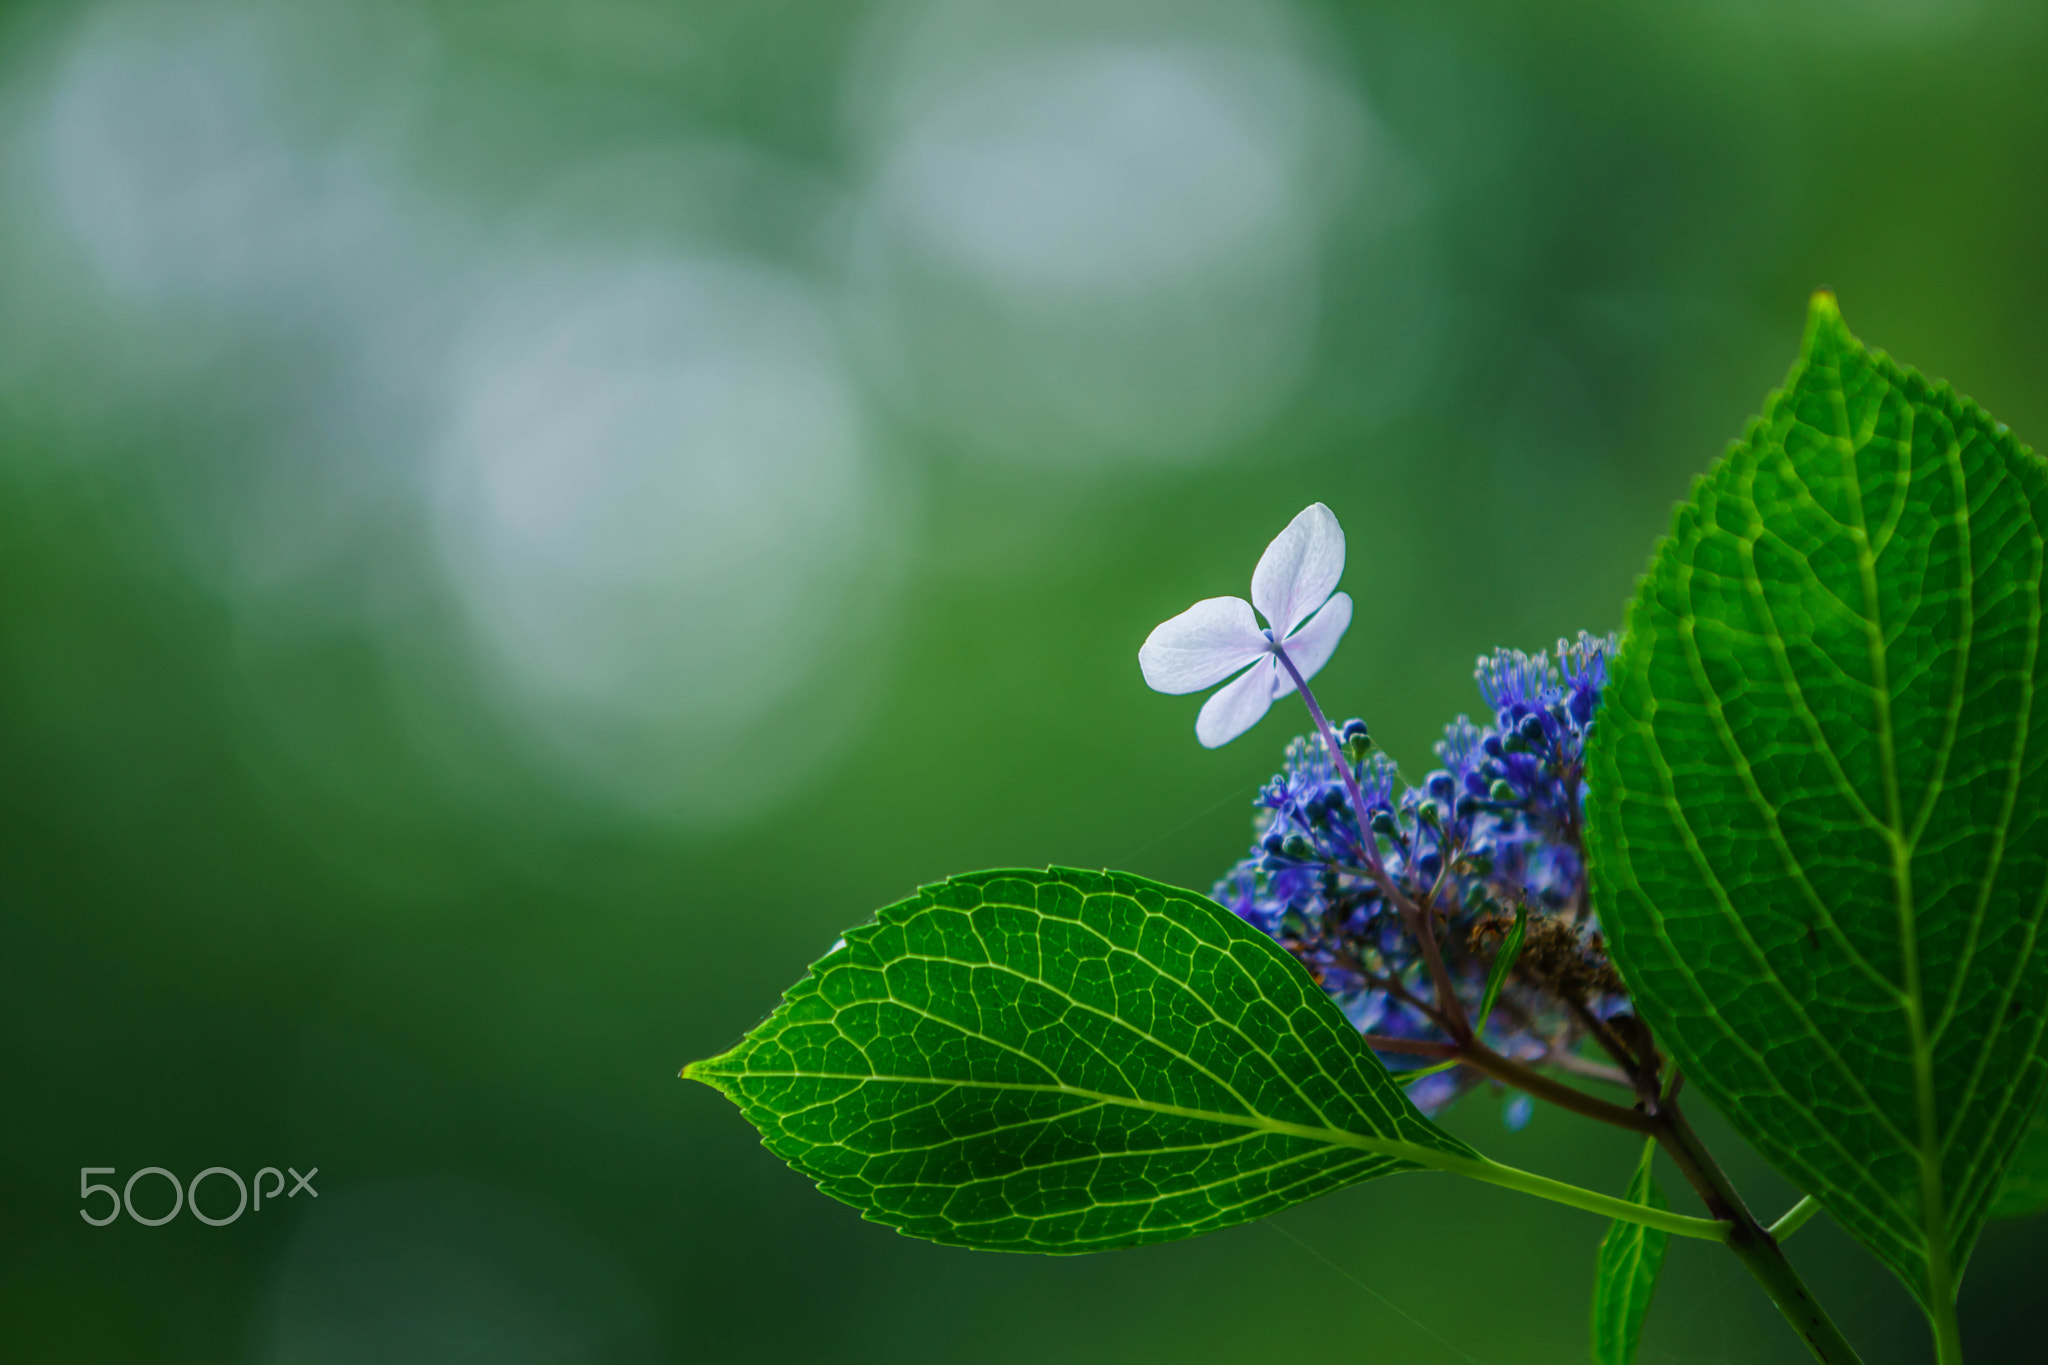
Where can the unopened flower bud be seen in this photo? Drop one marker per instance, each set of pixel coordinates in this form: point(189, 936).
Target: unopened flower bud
point(1357, 743)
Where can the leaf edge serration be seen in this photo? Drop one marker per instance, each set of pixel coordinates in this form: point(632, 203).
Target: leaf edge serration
point(1613, 871)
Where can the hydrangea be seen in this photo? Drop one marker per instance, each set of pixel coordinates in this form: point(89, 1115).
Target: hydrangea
point(1294, 588)
point(1495, 830)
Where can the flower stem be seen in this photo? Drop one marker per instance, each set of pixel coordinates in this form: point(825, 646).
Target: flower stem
point(1592, 1071)
point(1410, 1047)
point(1505, 1069)
point(1418, 922)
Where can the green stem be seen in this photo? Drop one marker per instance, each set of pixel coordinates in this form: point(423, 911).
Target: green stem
point(1592, 1201)
point(1794, 1218)
point(1758, 1251)
point(1948, 1336)
point(1761, 1256)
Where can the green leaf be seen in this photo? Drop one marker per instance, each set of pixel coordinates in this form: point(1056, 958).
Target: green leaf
point(1503, 963)
point(1069, 1061)
point(1625, 1276)
point(1816, 824)
point(2024, 1191)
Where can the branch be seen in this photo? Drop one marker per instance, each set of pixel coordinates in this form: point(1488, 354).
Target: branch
point(1756, 1248)
point(1478, 1055)
point(1597, 1071)
point(1393, 987)
point(1409, 1047)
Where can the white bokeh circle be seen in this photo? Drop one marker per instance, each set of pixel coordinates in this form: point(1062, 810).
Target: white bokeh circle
point(1096, 241)
point(661, 512)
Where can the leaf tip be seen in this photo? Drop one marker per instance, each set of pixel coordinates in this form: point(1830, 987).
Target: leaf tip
point(1824, 322)
point(705, 1072)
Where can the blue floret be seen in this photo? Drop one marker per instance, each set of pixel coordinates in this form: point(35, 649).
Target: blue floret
point(1497, 827)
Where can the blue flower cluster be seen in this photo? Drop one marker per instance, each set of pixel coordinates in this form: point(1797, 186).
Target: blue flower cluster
point(1496, 830)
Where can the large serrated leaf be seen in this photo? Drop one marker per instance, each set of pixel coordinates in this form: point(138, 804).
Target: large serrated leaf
point(1069, 1061)
point(1817, 816)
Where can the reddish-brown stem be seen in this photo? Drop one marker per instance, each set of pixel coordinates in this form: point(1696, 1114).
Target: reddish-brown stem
point(1641, 1072)
point(1594, 1025)
point(1594, 1071)
point(1410, 1047)
point(1483, 1058)
point(1393, 987)
point(1422, 924)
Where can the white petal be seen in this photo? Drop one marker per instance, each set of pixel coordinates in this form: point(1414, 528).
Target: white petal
point(1299, 569)
point(1309, 648)
point(1202, 646)
point(1236, 708)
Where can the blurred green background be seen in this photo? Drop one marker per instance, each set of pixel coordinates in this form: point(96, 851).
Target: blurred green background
point(521, 521)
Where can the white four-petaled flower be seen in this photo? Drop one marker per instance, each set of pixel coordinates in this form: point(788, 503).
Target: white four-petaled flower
point(1215, 638)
